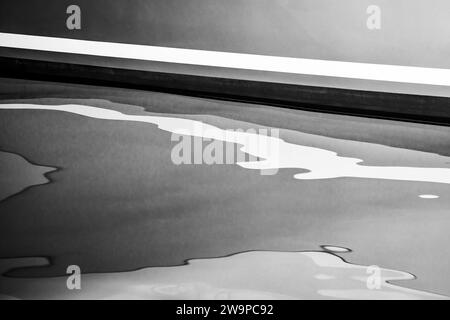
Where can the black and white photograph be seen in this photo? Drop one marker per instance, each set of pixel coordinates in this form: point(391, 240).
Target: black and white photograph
point(224, 150)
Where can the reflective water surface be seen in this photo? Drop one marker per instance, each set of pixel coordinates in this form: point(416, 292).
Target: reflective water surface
point(366, 201)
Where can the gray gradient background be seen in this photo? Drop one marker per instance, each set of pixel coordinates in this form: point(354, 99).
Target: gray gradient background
point(414, 32)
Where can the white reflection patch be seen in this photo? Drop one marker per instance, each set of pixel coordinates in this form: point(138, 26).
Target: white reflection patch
point(321, 163)
point(251, 275)
point(428, 196)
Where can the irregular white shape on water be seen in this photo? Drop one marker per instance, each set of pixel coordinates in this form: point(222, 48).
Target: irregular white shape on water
point(428, 196)
point(249, 275)
point(17, 174)
point(336, 249)
point(277, 153)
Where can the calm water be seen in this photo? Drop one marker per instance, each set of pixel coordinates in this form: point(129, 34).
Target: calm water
point(376, 186)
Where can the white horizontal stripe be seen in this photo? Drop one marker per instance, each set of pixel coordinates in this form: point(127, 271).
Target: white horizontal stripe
point(353, 70)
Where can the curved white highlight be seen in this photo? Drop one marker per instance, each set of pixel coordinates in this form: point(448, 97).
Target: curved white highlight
point(336, 249)
point(351, 70)
point(278, 154)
